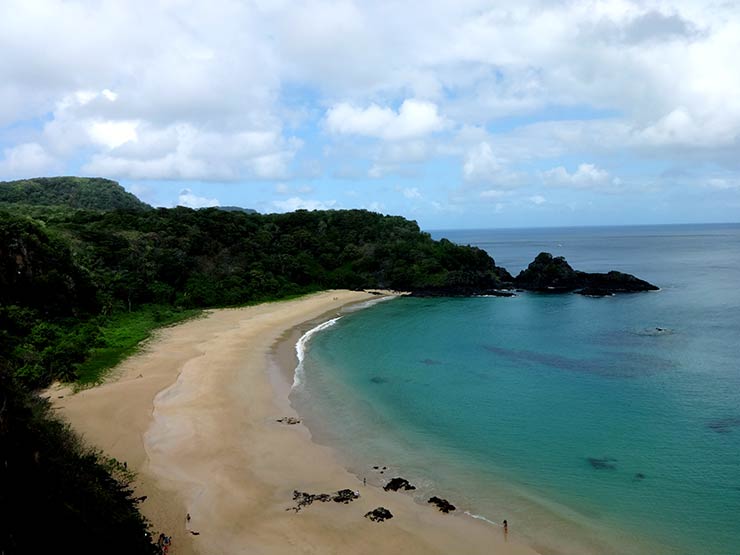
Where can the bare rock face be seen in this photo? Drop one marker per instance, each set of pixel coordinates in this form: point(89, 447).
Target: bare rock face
point(398, 483)
point(379, 515)
point(442, 504)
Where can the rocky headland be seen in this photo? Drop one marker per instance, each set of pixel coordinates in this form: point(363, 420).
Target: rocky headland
point(545, 274)
point(553, 274)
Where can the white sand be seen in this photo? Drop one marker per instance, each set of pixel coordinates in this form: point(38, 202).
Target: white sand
point(194, 414)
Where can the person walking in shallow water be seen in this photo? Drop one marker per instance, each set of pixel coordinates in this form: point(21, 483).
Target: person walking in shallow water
point(506, 530)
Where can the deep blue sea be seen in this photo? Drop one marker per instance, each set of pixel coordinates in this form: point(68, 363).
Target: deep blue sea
point(593, 425)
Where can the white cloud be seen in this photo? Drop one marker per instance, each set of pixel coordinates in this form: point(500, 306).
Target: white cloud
point(415, 118)
point(109, 94)
point(537, 199)
point(587, 176)
point(722, 184)
point(481, 164)
point(113, 134)
point(212, 91)
point(25, 160)
point(183, 151)
point(411, 193)
point(298, 203)
point(187, 198)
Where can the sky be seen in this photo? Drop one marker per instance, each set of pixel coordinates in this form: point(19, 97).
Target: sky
point(457, 114)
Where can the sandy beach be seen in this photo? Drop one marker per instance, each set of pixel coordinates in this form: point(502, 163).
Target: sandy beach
point(195, 415)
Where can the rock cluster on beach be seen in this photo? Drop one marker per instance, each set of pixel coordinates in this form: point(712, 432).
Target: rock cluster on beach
point(397, 484)
point(345, 496)
point(442, 504)
point(379, 515)
point(304, 499)
point(291, 420)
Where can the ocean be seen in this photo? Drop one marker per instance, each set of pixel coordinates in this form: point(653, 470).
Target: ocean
point(593, 425)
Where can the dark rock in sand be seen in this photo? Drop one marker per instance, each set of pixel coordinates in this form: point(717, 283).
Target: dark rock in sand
point(398, 483)
point(304, 499)
point(379, 515)
point(345, 496)
point(550, 274)
point(291, 420)
point(442, 504)
point(605, 463)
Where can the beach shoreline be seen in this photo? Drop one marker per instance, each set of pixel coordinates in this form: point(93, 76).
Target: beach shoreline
point(195, 415)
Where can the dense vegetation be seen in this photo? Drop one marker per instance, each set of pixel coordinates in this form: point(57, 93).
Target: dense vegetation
point(68, 277)
point(74, 192)
point(57, 496)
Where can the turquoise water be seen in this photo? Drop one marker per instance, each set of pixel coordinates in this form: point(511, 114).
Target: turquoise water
point(593, 425)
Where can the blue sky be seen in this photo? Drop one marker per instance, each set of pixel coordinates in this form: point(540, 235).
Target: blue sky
point(457, 114)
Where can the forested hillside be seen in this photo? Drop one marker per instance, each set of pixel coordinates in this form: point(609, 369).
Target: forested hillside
point(92, 193)
point(72, 279)
point(57, 495)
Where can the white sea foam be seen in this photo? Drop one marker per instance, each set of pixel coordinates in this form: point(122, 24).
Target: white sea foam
point(367, 304)
point(481, 517)
point(300, 348)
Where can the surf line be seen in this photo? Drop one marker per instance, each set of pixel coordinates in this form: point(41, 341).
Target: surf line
point(300, 349)
point(481, 517)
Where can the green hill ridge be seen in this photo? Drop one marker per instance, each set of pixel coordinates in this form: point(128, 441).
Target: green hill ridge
point(89, 193)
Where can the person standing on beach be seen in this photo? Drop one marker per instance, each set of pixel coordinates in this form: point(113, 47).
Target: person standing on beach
point(506, 530)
